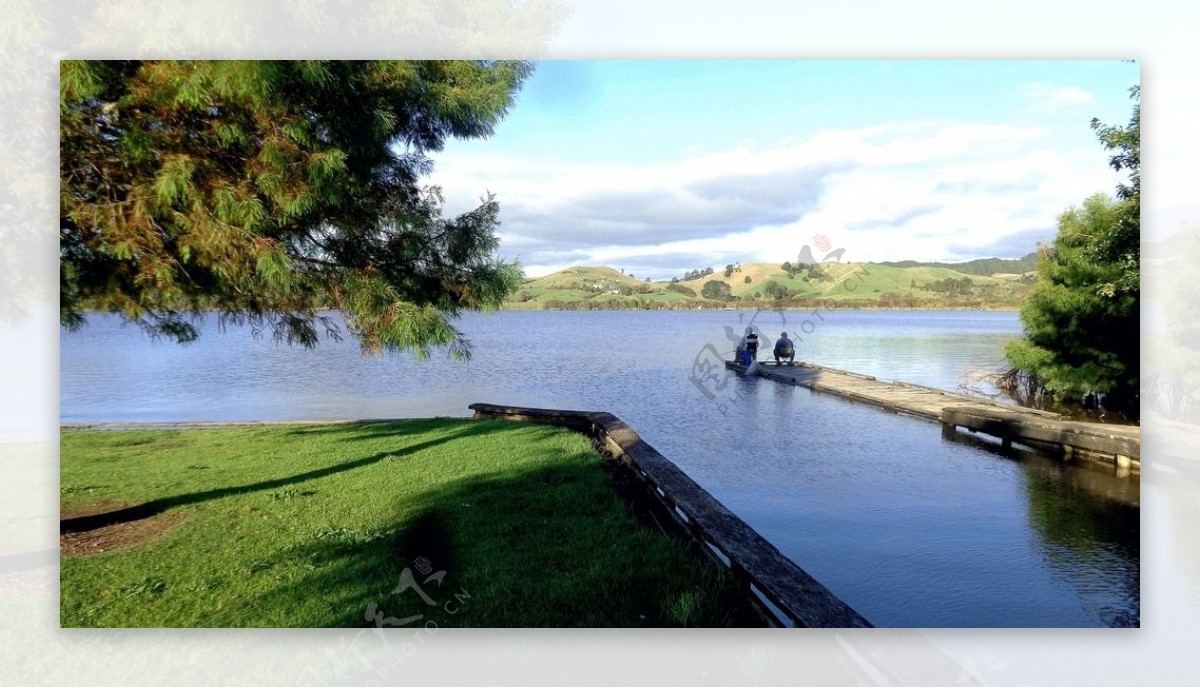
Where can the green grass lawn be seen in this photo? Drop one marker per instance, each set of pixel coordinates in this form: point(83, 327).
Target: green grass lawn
point(307, 526)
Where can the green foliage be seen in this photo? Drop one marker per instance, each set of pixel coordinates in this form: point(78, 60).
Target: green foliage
point(1082, 320)
point(776, 290)
point(1126, 142)
point(747, 280)
point(270, 190)
point(1120, 241)
point(1082, 333)
point(680, 289)
point(949, 285)
point(979, 266)
point(714, 289)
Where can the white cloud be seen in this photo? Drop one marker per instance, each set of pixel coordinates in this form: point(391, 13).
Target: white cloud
point(924, 190)
point(1046, 98)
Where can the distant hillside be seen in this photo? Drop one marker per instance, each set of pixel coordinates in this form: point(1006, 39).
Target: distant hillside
point(583, 283)
point(980, 266)
point(908, 284)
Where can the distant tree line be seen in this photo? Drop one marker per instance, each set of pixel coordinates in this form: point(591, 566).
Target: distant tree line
point(950, 285)
point(891, 300)
point(615, 304)
point(696, 274)
point(982, 267)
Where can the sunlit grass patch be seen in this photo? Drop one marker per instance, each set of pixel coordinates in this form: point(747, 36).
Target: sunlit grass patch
point(496, 524)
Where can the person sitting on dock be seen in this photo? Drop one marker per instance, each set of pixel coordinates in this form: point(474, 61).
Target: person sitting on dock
point(751, 344)
point(784, 349)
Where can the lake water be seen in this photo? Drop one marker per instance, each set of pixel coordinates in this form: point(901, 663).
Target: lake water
point(910, 528)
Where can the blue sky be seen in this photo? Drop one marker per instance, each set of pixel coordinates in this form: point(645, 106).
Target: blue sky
point(659, 167)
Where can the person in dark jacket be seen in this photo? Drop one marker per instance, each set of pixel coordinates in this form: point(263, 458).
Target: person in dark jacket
point(784, 349)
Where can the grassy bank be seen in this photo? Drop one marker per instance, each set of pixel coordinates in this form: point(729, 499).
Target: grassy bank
point(305, 526)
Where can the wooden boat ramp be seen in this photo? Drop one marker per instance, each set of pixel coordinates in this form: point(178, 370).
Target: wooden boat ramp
point(1119, 445)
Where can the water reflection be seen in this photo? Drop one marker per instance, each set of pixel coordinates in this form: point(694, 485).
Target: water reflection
point(1096, 478)
point(1087, 516)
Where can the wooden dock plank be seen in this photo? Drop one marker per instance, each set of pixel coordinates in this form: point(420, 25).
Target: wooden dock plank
point(1121, 443)
point(1093, 437)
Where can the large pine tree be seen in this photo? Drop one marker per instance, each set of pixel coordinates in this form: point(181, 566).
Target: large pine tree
point(1082, 320)
point(268, 191)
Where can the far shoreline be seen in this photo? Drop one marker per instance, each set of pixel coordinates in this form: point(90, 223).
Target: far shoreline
point(762, 307)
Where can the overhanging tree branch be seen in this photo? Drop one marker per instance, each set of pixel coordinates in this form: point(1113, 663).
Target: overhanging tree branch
point(268, 189)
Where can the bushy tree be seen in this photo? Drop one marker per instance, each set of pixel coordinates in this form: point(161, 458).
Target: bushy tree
point(1120, 242)
point(775, 290)
point(715, 289)
point(268, 191)
point(1082, 318)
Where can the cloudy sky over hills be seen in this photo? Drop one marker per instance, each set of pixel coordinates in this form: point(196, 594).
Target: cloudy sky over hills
point(658, 167)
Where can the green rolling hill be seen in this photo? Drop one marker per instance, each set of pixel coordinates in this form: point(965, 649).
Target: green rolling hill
point(980, 266)
point(905, 285)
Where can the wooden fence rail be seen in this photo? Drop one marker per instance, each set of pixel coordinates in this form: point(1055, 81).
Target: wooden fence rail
point(783, 592)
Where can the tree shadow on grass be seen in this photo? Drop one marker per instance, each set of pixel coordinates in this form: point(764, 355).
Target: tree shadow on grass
point(552, 546)
point(157, 506)
point(373, 429)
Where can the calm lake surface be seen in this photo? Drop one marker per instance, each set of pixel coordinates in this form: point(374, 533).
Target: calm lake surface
point(910, 528)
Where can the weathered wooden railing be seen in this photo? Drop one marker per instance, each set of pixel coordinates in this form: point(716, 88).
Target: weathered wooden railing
point(783, 592)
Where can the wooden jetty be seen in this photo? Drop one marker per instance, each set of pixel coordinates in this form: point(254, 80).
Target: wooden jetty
point(1116, 444)
point(782, 592)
